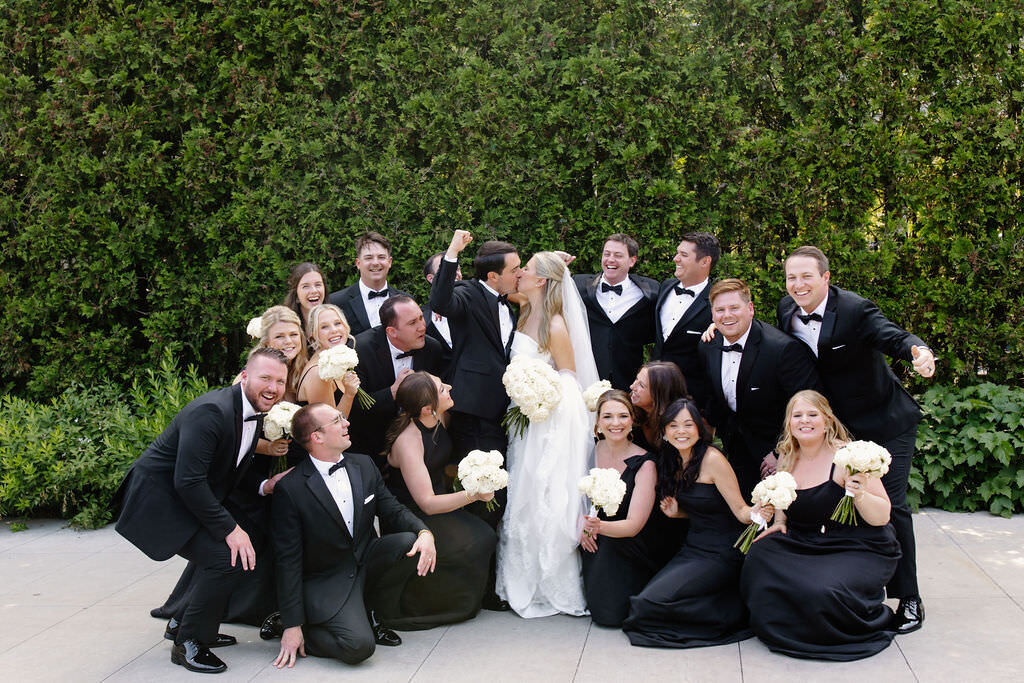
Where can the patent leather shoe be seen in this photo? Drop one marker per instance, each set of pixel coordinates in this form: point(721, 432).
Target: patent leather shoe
point(223, 640)
point(909, 615)
point(272, 627)
point(195, 657)
point(385, 636)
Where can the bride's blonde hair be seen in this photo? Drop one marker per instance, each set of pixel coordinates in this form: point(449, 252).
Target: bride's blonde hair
point(551, 267)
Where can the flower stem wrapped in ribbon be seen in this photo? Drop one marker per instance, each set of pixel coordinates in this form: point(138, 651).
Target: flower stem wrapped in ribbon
point(535, 388)
point(859, 456)
point(338, 361)
point(480, 472)
point(777, 490)
point(605, 489)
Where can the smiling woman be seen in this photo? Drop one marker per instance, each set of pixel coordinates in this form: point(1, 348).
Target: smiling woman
point(327, 328)
point(307, 289)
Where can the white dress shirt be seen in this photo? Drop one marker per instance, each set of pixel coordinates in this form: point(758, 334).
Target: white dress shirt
point(616, 305)
point(810, 331)
point(504, 317)
point(731, 369)
point(441, 323)
point(340, 487)
point(248, 430)
point(373, 305)
point(675, 306)
point(399, 364)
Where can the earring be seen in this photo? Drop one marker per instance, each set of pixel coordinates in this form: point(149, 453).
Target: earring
point(664, 438)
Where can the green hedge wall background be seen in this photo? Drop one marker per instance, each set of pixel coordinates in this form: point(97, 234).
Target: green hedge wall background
point(163, 163)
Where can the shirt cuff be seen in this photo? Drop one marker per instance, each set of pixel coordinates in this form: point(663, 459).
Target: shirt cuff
point(261, 487)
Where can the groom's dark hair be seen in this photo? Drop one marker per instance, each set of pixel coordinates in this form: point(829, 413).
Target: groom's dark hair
point(490, 257)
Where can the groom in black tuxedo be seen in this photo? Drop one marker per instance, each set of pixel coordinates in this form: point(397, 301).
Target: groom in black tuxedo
point(753, 370)
point(851, 338)
point(620, 311)
point(387, 353)
point(332, 569)
point(175, 499)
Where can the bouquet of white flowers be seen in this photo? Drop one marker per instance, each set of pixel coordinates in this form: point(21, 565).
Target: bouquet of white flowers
point(278, 421)
point(594, 392)
point(480, 472)
point(859, 456)
point(255, 327)
point(605, 489)
point(536, 389)
point(336, 362)
point(777, 490)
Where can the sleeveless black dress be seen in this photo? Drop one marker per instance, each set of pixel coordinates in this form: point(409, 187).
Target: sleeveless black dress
point(695, 600)
point(816, 592)
point(464, 543)
point(620, 567)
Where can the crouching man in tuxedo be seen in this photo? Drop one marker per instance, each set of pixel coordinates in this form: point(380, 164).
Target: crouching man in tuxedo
point(334, 575)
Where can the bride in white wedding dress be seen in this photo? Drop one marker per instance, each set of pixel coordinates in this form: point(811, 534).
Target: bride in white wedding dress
point(538, 569)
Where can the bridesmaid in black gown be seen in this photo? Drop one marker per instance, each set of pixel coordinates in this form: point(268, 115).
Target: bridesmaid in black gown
point(419, 448)
point(327, 328)
point(815, 587)
point(695, 600)
point(621, 562)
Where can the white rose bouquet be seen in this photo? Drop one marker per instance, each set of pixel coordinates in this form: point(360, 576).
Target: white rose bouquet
point(255, 327)
point(278, 421)
point(859, 456)
point(777, 490)
point(594, 392)
point(605, 489)
point(535, 388)
point(480, 472)
point(336, 362)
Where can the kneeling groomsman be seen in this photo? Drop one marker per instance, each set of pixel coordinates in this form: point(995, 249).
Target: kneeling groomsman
point(851, 338)
point(333, 572)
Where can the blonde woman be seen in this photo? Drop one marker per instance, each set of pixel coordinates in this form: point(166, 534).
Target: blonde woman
point(327, 328)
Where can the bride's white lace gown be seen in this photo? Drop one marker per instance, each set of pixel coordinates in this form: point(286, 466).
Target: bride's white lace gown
point(538, 564)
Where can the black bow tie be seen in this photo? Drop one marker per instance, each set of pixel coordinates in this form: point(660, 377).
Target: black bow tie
point(809, 317)
point(503, 299)
point(605, 287)
point(373, 295)
point(738, 348)
point(684, 290)
point(254, 418)
point(403, 354)
point(340, 465)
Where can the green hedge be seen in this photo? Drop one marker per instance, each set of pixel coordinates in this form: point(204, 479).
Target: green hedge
point(164, 162)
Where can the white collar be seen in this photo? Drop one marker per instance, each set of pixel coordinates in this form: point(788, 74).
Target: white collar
point(489, 289)
point(626, 283)
point(365, 290)
point(247, 409)
point(742, 341)
point(820, 310)
point(696, 289)
point(322, 466)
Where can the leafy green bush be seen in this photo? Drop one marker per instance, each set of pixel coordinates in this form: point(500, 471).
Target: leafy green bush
point(67, 457)
point(970, 450)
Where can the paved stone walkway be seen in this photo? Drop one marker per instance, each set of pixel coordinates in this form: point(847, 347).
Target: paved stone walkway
point(75, 607)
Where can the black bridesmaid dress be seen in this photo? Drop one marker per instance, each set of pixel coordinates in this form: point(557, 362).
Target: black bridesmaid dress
point(695, 600)
point(464, 543)
point(816, 592)
point(621, 567)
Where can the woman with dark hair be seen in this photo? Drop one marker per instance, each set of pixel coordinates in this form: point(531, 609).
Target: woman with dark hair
point(657, 384)
point(419, 448)
point(695, 600)
point(618, 550)
point(815, 590)
point(307, 289)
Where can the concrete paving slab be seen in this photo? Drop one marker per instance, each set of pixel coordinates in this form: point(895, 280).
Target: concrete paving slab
point(21, 622)
point(25, 574)
point(946, 571)
point(764, 666)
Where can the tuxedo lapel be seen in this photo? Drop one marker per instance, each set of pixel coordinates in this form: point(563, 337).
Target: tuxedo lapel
point(590, 298)
point(355, 481)
point(695, 309)
point(319, 490)
point(714, 369)
point(488, 315)
point(747, 361)
point(355, 304)
point(382, 352)
point(828, 321)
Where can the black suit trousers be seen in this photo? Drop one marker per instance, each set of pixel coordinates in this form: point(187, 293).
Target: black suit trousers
point(348, 635)
point(904, 582)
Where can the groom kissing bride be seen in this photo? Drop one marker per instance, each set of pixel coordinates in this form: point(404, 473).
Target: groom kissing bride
point(538, 570)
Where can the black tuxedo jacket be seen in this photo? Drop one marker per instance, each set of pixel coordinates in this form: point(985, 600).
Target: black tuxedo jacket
point(681, 345)
point(350, 301)
point(316, 559)
point(774, 366)
point(376, 375)
point(446, 349)
point(864, 392)
point(479, 357)
point(184, 477)
point(619, 346)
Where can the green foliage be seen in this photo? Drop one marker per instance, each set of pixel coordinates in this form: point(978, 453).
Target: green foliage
point(165, 162)
point(68, 456)
point(969, 450)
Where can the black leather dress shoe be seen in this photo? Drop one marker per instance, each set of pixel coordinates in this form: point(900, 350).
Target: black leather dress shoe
point(171, 632)
point(909, 615)
point(272, 627)
point(385, 636)
point(495, 604)
point(195, 657)
point(161, 612)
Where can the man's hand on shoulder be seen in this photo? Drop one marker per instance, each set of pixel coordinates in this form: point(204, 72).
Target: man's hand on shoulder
point(293, 646)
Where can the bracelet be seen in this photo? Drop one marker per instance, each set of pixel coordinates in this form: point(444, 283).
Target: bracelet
point(424, 531)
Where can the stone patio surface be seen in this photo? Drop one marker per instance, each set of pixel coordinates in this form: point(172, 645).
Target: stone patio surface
point(75, 607)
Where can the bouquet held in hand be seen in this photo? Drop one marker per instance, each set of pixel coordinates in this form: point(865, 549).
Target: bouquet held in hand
point(480, 472)
point(859, 456)
point(777, 490)
point(338, 361)
point(277, 423)
point(593, 393)
point(534, 387)
point(605, 489)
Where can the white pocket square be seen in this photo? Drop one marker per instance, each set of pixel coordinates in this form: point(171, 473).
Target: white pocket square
point(836, 348)
point(368, 499)
point(754, 388)
point(695, 332)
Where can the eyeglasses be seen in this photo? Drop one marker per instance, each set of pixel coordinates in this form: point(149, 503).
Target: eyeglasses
point(335, 421)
